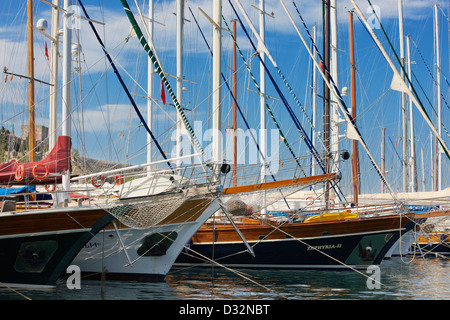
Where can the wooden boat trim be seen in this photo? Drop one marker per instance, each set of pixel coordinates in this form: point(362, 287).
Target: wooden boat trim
point(303, 238)
point(226, 233)
point(434, 213)
point(49, 221)
point(280, 183)
point(189, 211)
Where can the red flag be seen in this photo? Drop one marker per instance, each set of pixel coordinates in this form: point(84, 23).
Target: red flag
point(46, 51)
point(163, 93)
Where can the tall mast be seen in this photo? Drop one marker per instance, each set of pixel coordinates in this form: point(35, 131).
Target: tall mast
point(438, 169)
point(383, 165)
point(150, 88)
point(66, 82)
point(326, 115)
point(234, 106)
point(54, 76)
point(412, 156)
point(404, 130)
point(353, 91)
point(334, 112)
point(180, 17)
point(31, 138)
point(216, 96)
point(262, 108)
point(314, 102)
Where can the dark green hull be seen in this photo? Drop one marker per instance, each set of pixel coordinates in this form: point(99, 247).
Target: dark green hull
point(37, 259)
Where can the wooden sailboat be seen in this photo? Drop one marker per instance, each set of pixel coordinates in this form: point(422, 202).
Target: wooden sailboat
point(148, 253)
point(355, 237)
point(162, 208)
point(36, 246)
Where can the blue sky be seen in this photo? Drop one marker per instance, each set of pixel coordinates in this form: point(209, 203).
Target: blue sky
point(112, 129)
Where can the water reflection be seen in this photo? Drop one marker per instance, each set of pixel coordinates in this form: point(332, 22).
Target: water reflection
point(418, 279)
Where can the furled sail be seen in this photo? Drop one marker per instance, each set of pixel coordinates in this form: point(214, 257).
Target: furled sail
point(46, 171)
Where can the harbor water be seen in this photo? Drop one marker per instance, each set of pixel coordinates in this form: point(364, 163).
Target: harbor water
point(400, 278)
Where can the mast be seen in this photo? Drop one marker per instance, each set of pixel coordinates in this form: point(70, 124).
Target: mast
point(180, 17)
point(353, 89)
point(54, 76)
point(404, 129)
point(423, 171)
point(438, 168)
point(326, 115)
point(412, 156)
point(150, 88)
point(314, 102)
point(334, 113)
point(234, 106)
point(433, 174)
point(66, 82)
point(262, 108)
point(216, 96)
point(383, 170)
point(31, 111)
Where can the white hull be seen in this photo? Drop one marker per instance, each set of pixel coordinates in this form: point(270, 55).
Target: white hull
point(403, 245)
point(106, 250)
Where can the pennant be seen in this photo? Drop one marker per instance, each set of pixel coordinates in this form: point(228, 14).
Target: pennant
point(46, 51)
point(351, 133)
point(398, 84)
point(163, 93)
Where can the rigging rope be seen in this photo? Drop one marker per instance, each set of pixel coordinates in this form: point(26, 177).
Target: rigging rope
point(124, 86)
point(147, 48)
point(241, 113)
point(234, 99)
point(435, 82)
point(425, 114)
point(330, 83)
point(259, 91)
point(303, 134)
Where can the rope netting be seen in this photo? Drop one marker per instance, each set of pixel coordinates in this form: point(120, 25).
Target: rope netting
point(146, 212)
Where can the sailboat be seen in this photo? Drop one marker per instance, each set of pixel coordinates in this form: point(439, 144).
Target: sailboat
point(329, 238)
point(37, 245)
point(146, 250)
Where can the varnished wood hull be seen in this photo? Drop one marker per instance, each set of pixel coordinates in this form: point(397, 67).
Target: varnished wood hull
point(339, 244)
point(37, 247)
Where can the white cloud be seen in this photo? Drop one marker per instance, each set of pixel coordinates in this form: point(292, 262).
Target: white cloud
point(111, 117)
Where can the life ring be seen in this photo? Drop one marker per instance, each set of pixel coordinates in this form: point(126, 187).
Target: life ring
point(13, 159)
point(45, 176)
point(332, 203)
point(96, 184)
point(20, 172)
point(310, 202)
point(118, 180)
point(50, 187)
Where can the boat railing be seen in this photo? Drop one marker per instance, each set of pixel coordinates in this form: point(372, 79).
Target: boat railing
point(128, 183)
point(257, 173)
point(122, 183)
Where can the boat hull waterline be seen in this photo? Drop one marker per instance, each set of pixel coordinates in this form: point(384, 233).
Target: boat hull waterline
point(355, 243)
